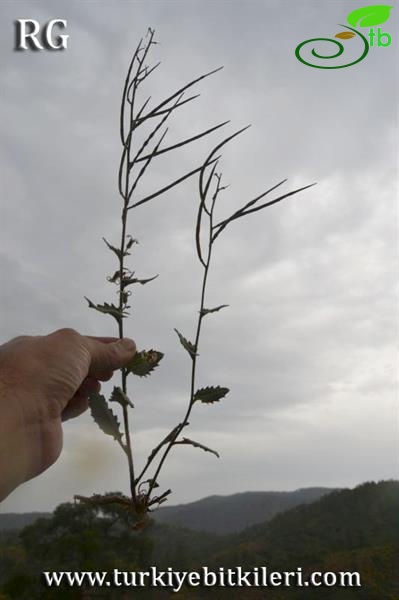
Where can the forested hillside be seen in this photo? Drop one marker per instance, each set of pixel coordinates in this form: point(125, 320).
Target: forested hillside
point(347, 530)
point(230, 514)
point(215, 514)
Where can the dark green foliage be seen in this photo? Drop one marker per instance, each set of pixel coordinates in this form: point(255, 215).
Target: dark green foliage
point(144, 362)
point(77, 537)
point(208, 395)
point(187, 345)
point(108, 309)
point(347, 530)
point(233, 513)
point(208, 311)
point(104, 417)
point(126, 281)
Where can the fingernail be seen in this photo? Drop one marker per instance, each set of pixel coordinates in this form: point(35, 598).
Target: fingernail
point(127, 344)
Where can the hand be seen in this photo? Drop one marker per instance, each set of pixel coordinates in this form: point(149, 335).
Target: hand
point(44, 380)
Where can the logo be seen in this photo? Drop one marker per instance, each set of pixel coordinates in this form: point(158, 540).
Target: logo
point(368, 16)
point(30, 35)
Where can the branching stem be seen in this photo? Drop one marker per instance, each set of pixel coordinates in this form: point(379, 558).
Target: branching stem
point(206, 264)
point(133, 166)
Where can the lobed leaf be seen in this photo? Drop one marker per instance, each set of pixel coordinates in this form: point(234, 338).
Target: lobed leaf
point(132, 280)
point(144, 362)
point(103, 416)
point(109, 309)
point(198, 445)
point(208, 395)
point(187, 345)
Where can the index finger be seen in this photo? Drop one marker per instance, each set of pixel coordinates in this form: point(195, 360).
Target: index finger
point(106, 340)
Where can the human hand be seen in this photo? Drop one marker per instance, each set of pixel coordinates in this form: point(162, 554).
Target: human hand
point(44, 380)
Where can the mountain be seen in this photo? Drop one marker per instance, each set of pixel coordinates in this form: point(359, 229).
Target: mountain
point(347, 530)
point(350, 530)
point(19, 520)
point(230, 514)
point(214, 514)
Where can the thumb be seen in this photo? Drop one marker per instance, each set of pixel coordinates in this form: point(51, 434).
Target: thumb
point(109, 356)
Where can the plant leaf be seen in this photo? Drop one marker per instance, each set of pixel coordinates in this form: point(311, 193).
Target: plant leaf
point(197, 445)
point(115, 277)
point(119, 396)
point(117, 251)
point(103, 416)
point(368, 16)
point(131, 280)
point(187, 345)
point(208, 311)
point(130, 242)
point(208, 395)
point(345, 35)
point(109, 309)
point(144, 362)
point(113, 248)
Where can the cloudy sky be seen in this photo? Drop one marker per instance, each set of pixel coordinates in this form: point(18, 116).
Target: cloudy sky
point(308, 343)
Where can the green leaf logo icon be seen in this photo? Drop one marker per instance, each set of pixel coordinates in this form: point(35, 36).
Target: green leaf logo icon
point(369, 15)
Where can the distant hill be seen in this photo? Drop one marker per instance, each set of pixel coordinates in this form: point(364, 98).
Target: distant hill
point(230, 514)
point(214, 514)
point(347, 530)
point(350, 530)
point(19, 520)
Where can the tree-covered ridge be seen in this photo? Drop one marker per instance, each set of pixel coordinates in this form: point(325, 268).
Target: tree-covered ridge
point(231, 514)
point(215, 514)
point(347, 530)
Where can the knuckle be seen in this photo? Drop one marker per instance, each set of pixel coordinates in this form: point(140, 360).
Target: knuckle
point(67, 332)
point(22, 338)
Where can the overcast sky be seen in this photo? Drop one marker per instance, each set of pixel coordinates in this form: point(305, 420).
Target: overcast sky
point(308, 345)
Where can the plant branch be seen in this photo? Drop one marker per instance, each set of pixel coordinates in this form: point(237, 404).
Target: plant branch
point(180, 90)
point(177, 430)
point(167, 187)
point(243, 213)
point(186, 141)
